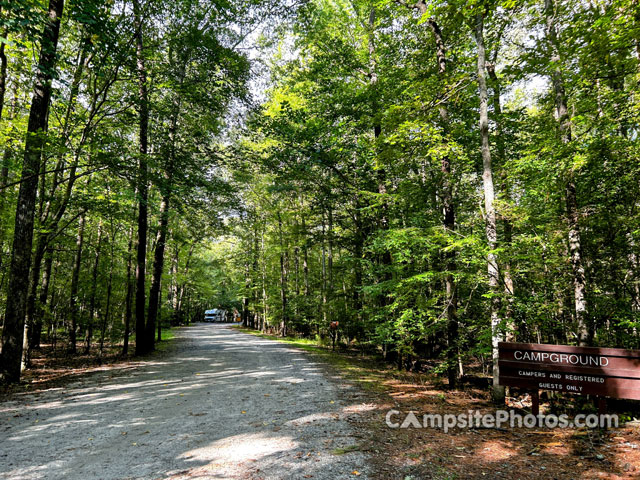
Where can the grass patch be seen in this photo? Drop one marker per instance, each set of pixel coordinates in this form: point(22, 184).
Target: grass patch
point(166, 335)
point(355, 368)
point(347, 449)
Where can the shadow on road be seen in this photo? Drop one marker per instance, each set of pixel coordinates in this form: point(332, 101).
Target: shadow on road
point(221, 404)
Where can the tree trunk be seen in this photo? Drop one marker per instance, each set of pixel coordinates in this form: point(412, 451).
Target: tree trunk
point(490, 213)
point(323, 307)
point(143, 193)
point(330, 255)
point(564, 130)
point(4, 173)
point(263, 328)
point(506, 222)
point(53, 322)
point(48, 221)
point(181, 291)
point(4, 180)
point(158, 268)
point(161, 237)
point(34, 282)
point(92, 296)
point(107, 308)
point(128, 297)
point(305, 264)
point(254, 280)
point(13, 331)
point(4, 191)
point(449, 217)
point(381, 174)
point(358, 250)
point(632, 273)
point(173, 289)
point(245, 296)
point(283, 282)
point(159, 329)
point(75, 276)
point(33, 320)
point(42, 301)
point(3, 73)
point(66, 137)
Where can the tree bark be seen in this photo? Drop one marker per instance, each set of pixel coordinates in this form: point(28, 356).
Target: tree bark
point(449, 216)
point(4, 192)
point(158, 268)
point(254, 279)
point(129, 296)
point(13, 331)
point(161, 237)
point(506, 222)
point(143, 193)
point(323, 307)
point(3, 73)
point(381, 174)
point(107, 308)
point(263, 321)
point(173, 290)
point(33, 321)
point(358, 251)
point(490, 213)
point(42, 301)
point(159, 329)
point(564, 129)
point(305, 262)
point(245, 296)
point(4, 173)
point(92, 295)
point(284, 323)
point(49, 221)
point(75, 276)
point(330, 255)
point(181, 290)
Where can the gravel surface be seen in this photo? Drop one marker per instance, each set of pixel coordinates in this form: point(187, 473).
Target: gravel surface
point(218, 404)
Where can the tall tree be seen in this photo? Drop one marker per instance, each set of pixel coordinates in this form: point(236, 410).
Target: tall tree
point(13, 331)
point(142, 186)
point(489, 207)
point(564, 132)
point(448, 205)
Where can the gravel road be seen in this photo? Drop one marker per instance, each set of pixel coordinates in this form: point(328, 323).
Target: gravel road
point(218, 404)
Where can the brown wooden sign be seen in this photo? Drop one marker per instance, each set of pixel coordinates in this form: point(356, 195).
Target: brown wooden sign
point(608, 372)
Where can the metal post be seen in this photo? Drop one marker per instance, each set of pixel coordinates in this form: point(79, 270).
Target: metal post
point(602, 406)
point(535, 402)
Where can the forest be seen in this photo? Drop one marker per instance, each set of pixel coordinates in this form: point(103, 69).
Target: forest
point(413, 178)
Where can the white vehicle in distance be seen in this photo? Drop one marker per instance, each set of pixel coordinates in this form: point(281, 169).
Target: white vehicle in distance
point(215, 315)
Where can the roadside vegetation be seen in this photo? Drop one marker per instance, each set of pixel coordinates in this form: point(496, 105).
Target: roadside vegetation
point(475, 452)
point(417, 180)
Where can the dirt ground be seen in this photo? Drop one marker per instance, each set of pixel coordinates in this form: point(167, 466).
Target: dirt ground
point(476, 453)
point(219, 403)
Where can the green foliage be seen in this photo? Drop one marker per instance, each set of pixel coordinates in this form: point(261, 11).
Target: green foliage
point(330, 186)
point(321, 198)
